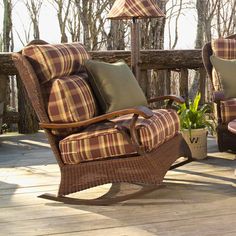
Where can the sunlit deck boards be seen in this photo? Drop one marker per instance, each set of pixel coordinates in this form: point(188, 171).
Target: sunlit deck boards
point(199, 198)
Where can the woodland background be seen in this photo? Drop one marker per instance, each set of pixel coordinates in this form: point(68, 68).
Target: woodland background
point(85, 21)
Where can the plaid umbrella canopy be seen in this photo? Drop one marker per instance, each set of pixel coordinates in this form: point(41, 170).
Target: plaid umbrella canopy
point(135, 9)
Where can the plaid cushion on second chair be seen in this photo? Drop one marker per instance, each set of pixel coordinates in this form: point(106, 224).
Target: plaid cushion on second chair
point(228, 110)
point(226, 49)
point(54, 61)
point(104, 140)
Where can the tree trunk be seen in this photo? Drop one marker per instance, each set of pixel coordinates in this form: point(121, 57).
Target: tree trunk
point(201, 12)
point(36, 30)
point(28, 122)
point(184, 83)
point(84, 21)
point(152, 36)
point(33, 8)
point(3, 87)
point(7, 25)
point(7, 42)
point(116, 36)
point(62, 18)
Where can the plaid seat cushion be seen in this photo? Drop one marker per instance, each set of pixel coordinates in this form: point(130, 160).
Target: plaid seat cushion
point(70, 99)
point(103, 140)
point(228, 110)
point(58, 60)
point(226, 49)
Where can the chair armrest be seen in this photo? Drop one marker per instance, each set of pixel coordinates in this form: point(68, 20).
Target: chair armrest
point(172, 98)
point(218, 96)
point(141, 110)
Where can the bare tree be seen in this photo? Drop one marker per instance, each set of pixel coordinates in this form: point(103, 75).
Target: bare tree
point(117, 35)
point(176, 24)
point(24, 34)
point(33, 7)
point(152, 37)
point(74, 23)
point(7, 37)
point(63, 9)
point(1, 43)
point(225, 17)
point(93, 18)
point(206, 10)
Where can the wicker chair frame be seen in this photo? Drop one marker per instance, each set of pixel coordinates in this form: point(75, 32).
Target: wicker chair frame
point(225, 138)
point(144, 168)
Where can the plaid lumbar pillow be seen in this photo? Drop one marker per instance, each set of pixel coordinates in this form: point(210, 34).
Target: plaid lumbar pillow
point(114, 85)
point(227, 71)
point(70, 100)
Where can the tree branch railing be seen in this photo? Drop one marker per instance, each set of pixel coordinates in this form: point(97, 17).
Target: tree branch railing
point(150, 60)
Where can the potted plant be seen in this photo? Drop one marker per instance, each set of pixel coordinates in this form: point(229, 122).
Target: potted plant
point(195, 125)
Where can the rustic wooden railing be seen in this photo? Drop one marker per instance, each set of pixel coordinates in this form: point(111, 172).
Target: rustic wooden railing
point(157, 61)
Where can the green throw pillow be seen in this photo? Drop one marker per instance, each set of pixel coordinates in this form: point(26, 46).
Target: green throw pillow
point(227, 71)
point(114, 85)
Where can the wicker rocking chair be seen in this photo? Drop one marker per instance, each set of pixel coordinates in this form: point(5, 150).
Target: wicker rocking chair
point(93, 149)
point(225, 109)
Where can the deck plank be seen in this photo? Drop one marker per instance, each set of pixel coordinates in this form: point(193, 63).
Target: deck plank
point(199, 198)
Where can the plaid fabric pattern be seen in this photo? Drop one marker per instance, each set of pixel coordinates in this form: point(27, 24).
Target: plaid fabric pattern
point(226, 49)
point(139, 8)
point(70, 99)
point(228, 110)
point(104, 140)
point(54, 61)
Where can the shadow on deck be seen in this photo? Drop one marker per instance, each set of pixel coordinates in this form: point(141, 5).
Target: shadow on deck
point(198, 198)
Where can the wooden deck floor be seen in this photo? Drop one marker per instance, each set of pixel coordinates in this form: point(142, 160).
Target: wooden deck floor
point(199, 198)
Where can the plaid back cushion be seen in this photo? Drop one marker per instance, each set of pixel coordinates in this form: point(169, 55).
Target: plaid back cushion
point(226, 49)
point(228, 110)
point(70, 99)
point(54, 61)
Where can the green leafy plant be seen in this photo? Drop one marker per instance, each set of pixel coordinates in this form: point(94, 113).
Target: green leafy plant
point(192, 116)
point(4, 128)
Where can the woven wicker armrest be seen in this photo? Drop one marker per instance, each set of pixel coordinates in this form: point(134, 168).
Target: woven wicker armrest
point(218, 96)
point(140, 111)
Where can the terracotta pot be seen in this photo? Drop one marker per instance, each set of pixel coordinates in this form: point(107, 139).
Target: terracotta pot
point(197, 142)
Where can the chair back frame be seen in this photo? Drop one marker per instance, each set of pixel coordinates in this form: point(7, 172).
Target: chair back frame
point(225, 139)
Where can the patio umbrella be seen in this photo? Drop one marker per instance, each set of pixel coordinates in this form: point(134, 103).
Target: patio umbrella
point(134, 10)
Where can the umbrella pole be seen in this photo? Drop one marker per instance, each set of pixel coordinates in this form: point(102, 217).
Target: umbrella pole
point(135, 48)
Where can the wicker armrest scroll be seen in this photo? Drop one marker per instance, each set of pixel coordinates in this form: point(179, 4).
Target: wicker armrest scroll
point(140, 111)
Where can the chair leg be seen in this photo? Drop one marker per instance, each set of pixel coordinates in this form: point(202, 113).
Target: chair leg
point(225, 139)
point(222, 146)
